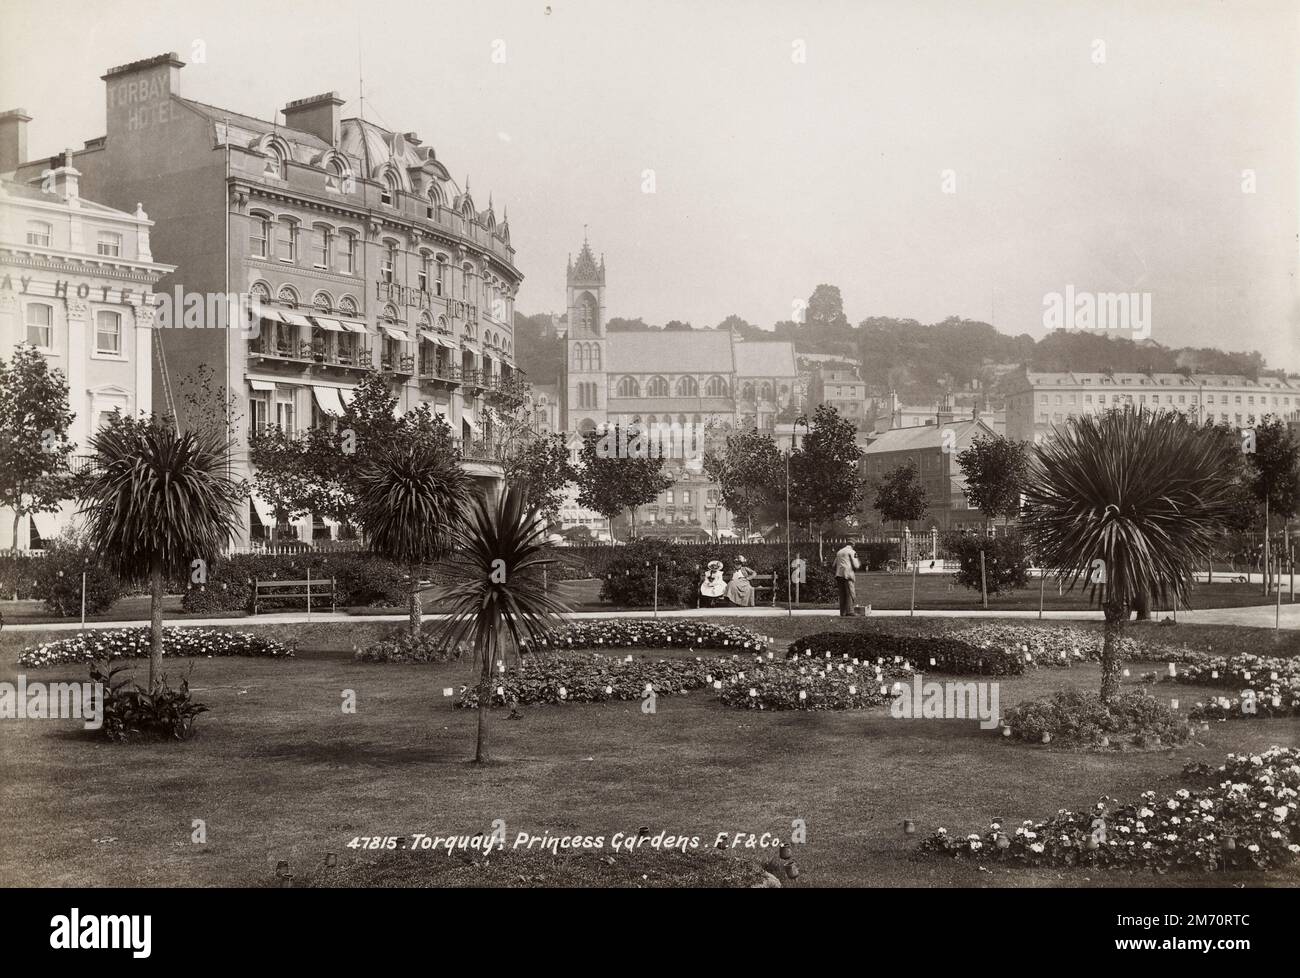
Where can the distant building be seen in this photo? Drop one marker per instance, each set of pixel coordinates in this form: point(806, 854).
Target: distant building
point(74, 275)
point(1040, 402)
point(933, 450)
point(838, 385)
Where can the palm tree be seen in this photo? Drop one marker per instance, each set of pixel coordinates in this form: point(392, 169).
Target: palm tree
point(1132, 502)
point(410, 498)
point(156, 501)
point(501, 601)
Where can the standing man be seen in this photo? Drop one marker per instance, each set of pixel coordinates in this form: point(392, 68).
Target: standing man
point(846, 565)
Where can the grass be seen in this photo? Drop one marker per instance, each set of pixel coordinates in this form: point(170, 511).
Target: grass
point(279, 772)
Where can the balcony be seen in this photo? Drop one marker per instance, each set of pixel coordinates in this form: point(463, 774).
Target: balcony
point(480, 450)
point(303, 355)
point(439, 373)
point(398, 366)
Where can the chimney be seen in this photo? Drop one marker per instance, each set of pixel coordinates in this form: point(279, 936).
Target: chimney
point(944, 414)
point(318, 115)
point(139, 94)
point(66, 178)
point(13, 139)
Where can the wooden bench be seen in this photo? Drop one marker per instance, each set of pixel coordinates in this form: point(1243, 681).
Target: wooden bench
point(764, 582)
point(319, 587)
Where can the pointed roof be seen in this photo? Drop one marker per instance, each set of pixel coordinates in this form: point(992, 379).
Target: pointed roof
point(585, 271)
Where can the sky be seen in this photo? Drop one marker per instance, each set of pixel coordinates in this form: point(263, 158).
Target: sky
point(929, 158)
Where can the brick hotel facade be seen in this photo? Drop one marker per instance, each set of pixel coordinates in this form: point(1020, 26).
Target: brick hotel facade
point(362, 250)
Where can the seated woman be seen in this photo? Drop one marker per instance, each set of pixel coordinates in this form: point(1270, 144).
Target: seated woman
point(713, 586)
point(739, 590)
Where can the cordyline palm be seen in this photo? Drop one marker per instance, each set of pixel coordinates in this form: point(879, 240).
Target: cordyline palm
point(1131, 502)
point(155, 502)
point(501, 549)
point(411, 497)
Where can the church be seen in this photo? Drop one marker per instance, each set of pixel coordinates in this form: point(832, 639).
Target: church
point(705, 378)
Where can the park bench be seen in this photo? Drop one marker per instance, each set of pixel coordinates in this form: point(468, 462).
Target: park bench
point(764, 582)
point(319, 588)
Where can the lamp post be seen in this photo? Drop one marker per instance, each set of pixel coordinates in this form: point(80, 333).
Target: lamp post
point(85, 566)
point(789, 598)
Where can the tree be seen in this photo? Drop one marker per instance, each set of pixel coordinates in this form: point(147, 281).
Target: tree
point(824, 475)
point(1272, 474)
point(826, 308)
point(750, 473)
point(319, 470)
point(676, 324)
point(412, 495)
point(995, 470)
point(541, 468)
point(618, 470)
point(500, 601)
point(900, 495)
point(159, 503)
point(34, 446)
point(1134, 502)
point(736, 323)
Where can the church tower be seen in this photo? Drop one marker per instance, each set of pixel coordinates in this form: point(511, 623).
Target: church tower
point(586, 388)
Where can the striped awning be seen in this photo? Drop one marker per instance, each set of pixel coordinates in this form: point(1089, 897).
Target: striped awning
point(354, 326)
point(394, 334)
point(325, 322)
point(293, 318)
point(328, 400)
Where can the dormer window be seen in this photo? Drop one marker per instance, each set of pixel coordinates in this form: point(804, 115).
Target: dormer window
point(276, 165)
point(389, 191)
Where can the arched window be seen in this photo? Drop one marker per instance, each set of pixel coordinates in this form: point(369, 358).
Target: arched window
point(388, 261)
point(391, 185)
point(588, 314)
point(628, 387)
point(656, 387)
point(747, 391)
point(716, 387)
point(260, 291)
point(259, 235)
point(765, 391)
point(286, 239)
point(688, 387)
point(276, 166)
point(322, 302)
point(336, 175)
point(577, 356)
point(595, 357)
point(441, 285)
point(348, 306)
point(288, 295)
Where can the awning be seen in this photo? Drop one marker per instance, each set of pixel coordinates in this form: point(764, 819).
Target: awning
point(263, 510)
point(346, 394)
point(441, 340)
point(261, 385)
point(354, 326)
point(324, 322)
point(328, 399)
point(467, 415)
point(394, 334)
point(293, 318)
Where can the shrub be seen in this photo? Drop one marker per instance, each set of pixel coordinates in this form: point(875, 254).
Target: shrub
point(58, 581)
point(401, 647)
point(18, 575)
point(1073, 717)
point(133, 643)
point(934, 652)
point(1245, 820)
point(647, 633)
point(133, 713)
point(820, 684)
point(1006, 564)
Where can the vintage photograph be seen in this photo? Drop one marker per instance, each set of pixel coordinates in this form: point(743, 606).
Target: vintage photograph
point(650, 444)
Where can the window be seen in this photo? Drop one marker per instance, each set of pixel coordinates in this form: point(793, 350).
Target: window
point(259, 236)
point(422, 277)
point(467, 273)
point(38, 233)
point(259, 407)
point(40, 325)
point(686, 497)
point(389, 191)
point(388, 262)
point(349, 256)
point(109, 244)
point(108, 333)
point(320, 246)
point(284, 415)
point(440, 286)
point(656, 387)
point(688, 387)
point(286, 240)
point(628, 387)
point(276, 165)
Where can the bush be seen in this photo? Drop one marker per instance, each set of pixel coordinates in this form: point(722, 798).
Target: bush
point(401, 647)
point(18, 572)
point(360, 580)
point(1006, 564)
point(58, 581)
point(1245, 820)
point(1073, 717)
point(935, 652)
point(133, 713)
point(647, 633)
point(133, 643)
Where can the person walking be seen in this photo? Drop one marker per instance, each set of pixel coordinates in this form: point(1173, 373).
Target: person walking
point(846, 566)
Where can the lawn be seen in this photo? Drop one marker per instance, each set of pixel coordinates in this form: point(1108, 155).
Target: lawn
point(279, 772)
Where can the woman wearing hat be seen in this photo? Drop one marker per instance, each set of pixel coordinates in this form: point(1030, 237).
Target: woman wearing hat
point(740, 591)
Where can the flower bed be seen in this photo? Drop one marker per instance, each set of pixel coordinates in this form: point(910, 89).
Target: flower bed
point(401, 647)
point(1075, 718)
point(813, 684)
point(1265, 686)
point(648, 633)
point(590, 677)
point(133, 643)
point(1246, 820)
point(935, 652)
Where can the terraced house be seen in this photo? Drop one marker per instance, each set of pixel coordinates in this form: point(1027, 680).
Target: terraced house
point(362, 251)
